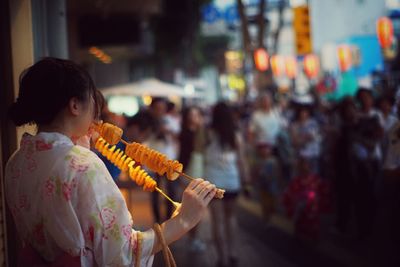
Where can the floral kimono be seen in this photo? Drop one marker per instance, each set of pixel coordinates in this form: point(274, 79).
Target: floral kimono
point(64, 202)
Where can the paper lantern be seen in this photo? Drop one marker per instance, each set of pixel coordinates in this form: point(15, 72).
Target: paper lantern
point(277, 65)
point(291, 67)
point(384, 30)
point(311, 66)
point(261, 59)
point(344, 55)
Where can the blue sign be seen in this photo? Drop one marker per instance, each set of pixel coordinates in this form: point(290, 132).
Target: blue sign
point(210, 13)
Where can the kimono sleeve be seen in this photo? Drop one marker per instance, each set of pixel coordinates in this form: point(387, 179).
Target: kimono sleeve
point(107, 223)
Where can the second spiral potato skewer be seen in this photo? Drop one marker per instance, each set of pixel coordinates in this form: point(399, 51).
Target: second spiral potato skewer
point(153, 159)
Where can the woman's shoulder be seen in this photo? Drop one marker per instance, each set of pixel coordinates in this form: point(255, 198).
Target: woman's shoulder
point(81, 160)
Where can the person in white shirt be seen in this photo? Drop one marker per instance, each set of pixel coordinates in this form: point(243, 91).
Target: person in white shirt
point(266, 122)
point(389, 119)
point(385, 105)
point(367, 111)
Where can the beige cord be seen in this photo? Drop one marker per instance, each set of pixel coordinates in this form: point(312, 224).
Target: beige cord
point(168, 257)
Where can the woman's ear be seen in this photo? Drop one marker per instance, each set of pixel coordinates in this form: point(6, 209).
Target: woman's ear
point(75, 106)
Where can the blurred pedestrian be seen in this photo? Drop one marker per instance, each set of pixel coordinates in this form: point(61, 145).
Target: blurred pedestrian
point(305, 136)
point(303, 199)
point(367, 161)
point(385, 106)
point(139, 127)
point(343, 165)
point(392, 179)
point(172, 120)
point(225, 166)
point(265, 126)
point(268, 180)
point(266, 122)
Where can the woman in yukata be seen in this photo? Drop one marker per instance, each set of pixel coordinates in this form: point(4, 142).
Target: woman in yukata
point(66, 207)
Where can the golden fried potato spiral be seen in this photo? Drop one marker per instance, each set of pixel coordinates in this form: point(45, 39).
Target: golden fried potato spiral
point(125, 163)
point(111, 133)
point(154, 160)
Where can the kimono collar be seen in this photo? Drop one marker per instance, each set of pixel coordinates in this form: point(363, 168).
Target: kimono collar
point(45, 139)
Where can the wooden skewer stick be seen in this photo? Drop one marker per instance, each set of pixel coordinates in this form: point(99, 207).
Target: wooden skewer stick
point(176, 204)
point(185, 175)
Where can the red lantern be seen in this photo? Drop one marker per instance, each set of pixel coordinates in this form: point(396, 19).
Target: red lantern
point(291, 67)
point(384, 30)
point(344, 54)
point(277, 65)
point(311, 66)
point(261, 59)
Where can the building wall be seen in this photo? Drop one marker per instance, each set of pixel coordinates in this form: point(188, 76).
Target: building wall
point(336, 20)
point(21, 51)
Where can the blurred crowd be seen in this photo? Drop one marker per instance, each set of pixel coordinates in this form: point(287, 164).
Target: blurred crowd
point(297, 159)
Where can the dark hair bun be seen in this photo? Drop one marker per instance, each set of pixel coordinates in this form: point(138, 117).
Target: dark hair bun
point(19, 115)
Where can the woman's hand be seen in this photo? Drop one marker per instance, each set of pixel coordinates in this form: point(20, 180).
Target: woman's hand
point(86, 139)
point(195, 200)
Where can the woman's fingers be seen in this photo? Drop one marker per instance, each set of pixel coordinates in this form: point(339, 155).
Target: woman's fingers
point(203, 190)
point(210, 196)
point(207, 189)
point(201, 187)
point(193, 184)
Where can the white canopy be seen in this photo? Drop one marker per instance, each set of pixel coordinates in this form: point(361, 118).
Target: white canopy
point(151, 87)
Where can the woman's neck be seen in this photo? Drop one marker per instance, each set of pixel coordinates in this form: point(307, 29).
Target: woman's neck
point(59, 128)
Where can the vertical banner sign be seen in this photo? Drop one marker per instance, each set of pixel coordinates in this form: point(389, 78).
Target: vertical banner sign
point(302, 30)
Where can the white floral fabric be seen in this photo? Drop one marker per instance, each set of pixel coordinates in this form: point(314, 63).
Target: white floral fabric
point(63, 199)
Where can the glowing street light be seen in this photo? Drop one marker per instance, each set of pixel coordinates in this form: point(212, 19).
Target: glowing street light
point(291, 67)
point(261, 59)
point(277, 65)
point(311, 66)
point(384, 31)
point(344, 55)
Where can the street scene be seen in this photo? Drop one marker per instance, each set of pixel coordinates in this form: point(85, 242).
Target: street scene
point(200, 133)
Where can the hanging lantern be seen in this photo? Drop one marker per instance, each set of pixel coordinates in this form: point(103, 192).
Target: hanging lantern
point(384, 30)
point(344, 55)
point(277, 65)
point(291, 67)
point(261, 59)
point(311, 66)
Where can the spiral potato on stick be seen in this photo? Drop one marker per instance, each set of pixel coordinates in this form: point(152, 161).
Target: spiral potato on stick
point(126, 164)
point(154, 160)
point(109, 132)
